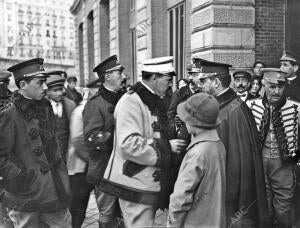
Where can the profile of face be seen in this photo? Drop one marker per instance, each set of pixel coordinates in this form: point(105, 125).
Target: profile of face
point(34, 89)
point(288, 68)
point(274, 92)
point(241, 84)
point(181, 84)
point(258, 69)
point(72, 84)
point(55, 93)
point(207, 85)
point(161, 84)
point(255, 87)
point(114, 79)
point(194, 78)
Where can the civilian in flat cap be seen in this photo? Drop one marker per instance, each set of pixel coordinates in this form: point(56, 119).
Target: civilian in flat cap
point(138, 172)
point(244, 170)
point(277, 121)
point(5, 93)
point(98, 129)
point(290, 65)
point(241, 83)
point(36, 182)
point(71, 91)
point(62, 107)
point(198, 199)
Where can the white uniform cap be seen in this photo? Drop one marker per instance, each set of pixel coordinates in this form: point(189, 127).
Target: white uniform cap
point(162, 65)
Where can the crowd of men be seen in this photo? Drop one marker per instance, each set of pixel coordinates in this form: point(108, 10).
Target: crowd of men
point(214, 153)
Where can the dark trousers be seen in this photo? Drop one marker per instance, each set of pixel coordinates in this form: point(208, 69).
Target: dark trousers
point(80, 194)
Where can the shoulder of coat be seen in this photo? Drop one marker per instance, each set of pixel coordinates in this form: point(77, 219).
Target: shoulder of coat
point(6, 108)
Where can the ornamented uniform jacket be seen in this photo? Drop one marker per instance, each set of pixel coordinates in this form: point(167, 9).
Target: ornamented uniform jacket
point(28, 141)
point(139, 166)
point(285, 119)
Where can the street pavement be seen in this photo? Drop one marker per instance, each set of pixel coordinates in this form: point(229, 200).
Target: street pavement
point(92, 215)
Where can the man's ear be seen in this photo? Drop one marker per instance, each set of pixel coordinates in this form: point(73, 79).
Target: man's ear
point(216, 82)
point(23, 84)
point(296, 67)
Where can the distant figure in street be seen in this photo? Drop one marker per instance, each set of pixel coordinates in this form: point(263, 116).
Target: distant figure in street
point(35, 179)
point(257, 68)
point(62, 108)
point(71, 91)
point(198, 199)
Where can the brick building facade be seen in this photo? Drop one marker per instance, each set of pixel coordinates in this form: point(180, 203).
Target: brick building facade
point(230, 31)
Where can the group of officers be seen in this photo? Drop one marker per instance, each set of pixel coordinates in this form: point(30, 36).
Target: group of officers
point(141, 153)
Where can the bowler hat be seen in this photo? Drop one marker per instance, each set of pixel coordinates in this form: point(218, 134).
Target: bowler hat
point(56, 78)
point(28, 69)
point(200, 110)
point(274, 75)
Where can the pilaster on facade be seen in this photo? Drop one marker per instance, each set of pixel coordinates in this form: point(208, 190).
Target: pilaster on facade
point(85, 45)
point(96, 21)
point(223, 31)
point(113, 15)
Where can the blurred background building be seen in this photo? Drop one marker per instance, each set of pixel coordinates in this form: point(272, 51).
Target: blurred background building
point(231, 31)
point(34, 28)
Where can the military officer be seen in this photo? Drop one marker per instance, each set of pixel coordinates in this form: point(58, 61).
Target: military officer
point(277, 120)
point(5, 93)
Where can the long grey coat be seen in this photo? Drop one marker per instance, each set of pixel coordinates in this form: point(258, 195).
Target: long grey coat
point(198, 199)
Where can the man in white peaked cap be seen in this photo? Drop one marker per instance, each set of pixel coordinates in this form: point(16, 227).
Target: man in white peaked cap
point(138, 172)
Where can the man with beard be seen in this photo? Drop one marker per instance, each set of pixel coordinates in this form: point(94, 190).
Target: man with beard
point(245, 193)
point(241, 82)
point(277, 120)
point(98, 129)
point(62, 108)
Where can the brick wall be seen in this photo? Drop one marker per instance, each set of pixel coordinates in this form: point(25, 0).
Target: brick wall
point(269, 30)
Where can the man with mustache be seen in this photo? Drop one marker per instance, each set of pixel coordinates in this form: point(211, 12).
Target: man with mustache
point(245, 193)
point(241, 83)
point(277, 120)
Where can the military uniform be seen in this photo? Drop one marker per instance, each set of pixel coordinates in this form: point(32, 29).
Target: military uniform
point(5, 93)
point(278, 133)
point(98, 131)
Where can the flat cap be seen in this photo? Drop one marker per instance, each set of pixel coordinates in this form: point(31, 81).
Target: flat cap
point(209, 69)
point(4, 75)
point(30, 68)
point(274, 75)
point(110, 64)
point(241, 74)
point(288, 56)
point(161, 65)
point(56, 78)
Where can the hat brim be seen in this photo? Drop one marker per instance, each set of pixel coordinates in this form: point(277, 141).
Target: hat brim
point(116, 68)
point(186, 117)
point(38, 74)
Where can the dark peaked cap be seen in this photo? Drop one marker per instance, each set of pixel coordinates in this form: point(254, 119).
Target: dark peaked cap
point(30, 68)
point(109, 64)
point(56, 78)
point(211, 68)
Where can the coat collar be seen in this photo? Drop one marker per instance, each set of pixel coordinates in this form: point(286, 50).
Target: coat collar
point(110, 96)
point(205, 136)
point(226, 97)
